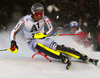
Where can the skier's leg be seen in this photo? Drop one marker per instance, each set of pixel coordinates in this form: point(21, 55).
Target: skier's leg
point(70, 52)
point(75, 54)
point(47, 51)
point(53, 53)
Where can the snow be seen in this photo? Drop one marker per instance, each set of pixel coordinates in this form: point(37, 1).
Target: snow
point(21, 65)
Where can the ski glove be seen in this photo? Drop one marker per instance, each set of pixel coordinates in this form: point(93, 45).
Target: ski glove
point(39, 36)
point(13, 45)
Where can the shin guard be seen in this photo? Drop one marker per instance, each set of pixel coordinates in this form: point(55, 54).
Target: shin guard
point(47, 51)
point(68, 51)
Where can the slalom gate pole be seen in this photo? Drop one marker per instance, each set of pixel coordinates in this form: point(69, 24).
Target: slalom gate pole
point(70, 34)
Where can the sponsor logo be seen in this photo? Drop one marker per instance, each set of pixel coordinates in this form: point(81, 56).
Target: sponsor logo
point(47, 20)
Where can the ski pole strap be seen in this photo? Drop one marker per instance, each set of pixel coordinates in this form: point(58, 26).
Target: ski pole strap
point(13, 48)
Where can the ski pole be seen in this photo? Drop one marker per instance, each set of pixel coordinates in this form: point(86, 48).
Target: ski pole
point(4, 50)
point(15, 51)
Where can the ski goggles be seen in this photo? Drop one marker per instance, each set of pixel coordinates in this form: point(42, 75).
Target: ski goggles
point(73, 24)
point(38, 13)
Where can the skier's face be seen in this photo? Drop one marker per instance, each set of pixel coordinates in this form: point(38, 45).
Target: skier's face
point(73, 30)
point(37, 18)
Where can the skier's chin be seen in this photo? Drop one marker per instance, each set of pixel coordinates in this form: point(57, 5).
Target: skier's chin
point(38, 18)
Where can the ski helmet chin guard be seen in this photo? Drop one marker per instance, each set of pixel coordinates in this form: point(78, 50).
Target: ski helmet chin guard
point(37, 9)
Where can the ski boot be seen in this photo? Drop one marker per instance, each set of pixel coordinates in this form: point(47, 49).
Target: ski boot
point(86, 59)
point(93, 61)
point(66, 61)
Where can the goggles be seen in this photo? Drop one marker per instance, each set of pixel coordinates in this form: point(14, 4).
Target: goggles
point(73, 24)
point(38, 13)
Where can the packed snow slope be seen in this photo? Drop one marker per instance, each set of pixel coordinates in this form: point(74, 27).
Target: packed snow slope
point(21, 65)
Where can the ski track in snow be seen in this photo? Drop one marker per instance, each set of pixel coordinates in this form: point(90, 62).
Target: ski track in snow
point(21, 65)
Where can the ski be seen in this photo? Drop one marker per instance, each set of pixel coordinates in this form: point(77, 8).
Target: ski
point(68, 65)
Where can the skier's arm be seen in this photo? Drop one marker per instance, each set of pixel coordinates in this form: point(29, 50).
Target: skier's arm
point(16, 29)
point(49, 27)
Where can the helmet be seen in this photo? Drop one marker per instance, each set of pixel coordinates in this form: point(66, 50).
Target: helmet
point(73, 24)
point(37, 9)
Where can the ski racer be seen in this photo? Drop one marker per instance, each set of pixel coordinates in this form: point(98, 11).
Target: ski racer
point(80, 36)
point(33, 26)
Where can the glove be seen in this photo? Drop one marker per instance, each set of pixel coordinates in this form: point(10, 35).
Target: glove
point(13, 45)
point(39, 36)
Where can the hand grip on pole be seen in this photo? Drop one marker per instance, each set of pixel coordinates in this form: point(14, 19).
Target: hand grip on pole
point(15, 51)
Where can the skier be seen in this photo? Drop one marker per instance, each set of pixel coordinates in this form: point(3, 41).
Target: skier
point(81, 38)
point(33, 26)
